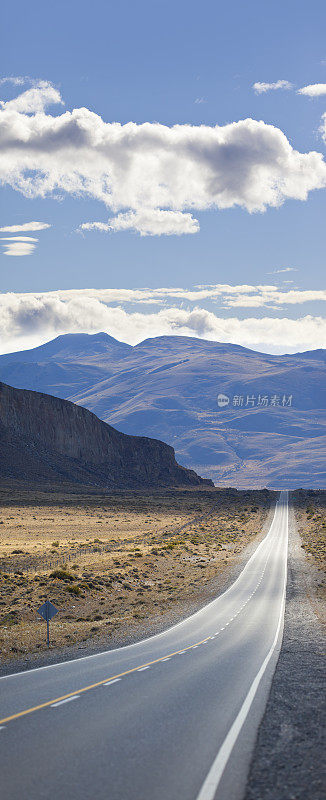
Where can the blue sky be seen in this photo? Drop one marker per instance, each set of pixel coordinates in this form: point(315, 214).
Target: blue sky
point(172, 63)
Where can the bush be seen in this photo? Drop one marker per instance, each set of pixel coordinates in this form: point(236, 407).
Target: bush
point(75, 590)
point(62, 575)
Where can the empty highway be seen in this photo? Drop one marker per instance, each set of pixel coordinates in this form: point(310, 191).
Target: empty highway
point(173, 717)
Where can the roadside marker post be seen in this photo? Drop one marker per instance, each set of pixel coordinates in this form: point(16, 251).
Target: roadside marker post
point(47, 611)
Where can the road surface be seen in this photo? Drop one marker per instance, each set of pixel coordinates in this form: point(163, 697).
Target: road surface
point(173, 717)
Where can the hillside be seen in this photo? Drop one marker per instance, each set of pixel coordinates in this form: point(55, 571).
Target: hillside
point(45, 440)
point(269, 431)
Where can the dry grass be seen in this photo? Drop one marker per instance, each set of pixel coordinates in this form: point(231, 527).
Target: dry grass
point(107, 562)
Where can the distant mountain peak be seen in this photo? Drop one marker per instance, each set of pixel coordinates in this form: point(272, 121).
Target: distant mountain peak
point(68, 346)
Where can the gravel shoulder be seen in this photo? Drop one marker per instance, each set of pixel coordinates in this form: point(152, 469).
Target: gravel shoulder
point(289, 755)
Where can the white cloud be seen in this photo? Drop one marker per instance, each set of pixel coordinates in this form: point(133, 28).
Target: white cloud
point(200, 100)
point(33, 100)
point(224, 295)
point(24, 247)
point(285, 269)
point(323, 127)
point(313, 90)
point(150, 222)
point(276, 298)
point(25, 227)
point(29, 319)
point(18, 239)
point(261, 88)
point(15, 80)
point(151, 168)
point(219, 293)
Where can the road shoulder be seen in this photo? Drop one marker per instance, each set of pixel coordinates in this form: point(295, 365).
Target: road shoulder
point(289, 754)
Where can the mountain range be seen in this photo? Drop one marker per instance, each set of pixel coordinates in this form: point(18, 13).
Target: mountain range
point(240, 417)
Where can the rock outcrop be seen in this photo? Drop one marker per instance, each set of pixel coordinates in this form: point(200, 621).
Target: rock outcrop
point(45, 439)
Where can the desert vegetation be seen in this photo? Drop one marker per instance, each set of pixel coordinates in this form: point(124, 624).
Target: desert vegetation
point(108, 562)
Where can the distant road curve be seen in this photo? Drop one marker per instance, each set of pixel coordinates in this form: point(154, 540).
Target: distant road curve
point(173, 717)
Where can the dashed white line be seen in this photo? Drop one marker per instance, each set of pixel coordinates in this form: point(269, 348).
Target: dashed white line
point(109, 683)
point(165, 659)
point(67, 700)
point(142, 669)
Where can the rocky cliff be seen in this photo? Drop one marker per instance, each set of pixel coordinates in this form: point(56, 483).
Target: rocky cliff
point(46, 439)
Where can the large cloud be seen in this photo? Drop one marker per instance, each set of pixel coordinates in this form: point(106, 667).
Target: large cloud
point(144, 170)
point(27, 320)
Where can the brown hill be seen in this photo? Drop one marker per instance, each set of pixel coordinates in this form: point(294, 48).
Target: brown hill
point(45, 440)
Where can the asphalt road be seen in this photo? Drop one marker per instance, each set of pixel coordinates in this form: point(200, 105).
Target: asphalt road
point(173, 717)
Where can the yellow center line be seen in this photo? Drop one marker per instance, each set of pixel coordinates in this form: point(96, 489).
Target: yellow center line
point(94, 685)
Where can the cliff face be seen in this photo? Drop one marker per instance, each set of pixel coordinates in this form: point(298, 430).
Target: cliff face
point(44, 437)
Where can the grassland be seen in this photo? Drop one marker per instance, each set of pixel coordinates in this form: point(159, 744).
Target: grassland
point(109, 561)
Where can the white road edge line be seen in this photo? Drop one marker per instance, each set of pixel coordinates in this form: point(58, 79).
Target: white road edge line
point(115, 680)
point(209, 787)
point(67, 700)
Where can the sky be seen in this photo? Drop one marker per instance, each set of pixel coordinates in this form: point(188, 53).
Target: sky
point(162, 171)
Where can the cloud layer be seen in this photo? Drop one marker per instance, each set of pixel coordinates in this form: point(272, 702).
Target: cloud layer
point(30, 319)
point(151, 176)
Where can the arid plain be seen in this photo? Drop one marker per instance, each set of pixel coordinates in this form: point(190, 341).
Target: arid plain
point(108, 562)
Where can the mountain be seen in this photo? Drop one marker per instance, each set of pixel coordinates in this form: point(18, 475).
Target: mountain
point(266, 429)
point(46, 440)
point(67, 364)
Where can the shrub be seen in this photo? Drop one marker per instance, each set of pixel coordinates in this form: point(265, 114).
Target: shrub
point(62, 575)
point(75, 590)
